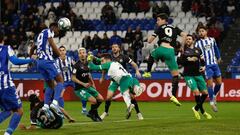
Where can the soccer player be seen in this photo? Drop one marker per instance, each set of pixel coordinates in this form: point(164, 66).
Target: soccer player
point(84, 85)
point(121, 78)
point(47, 66)
point(193, 62)
point(10, 103)
point(39, 118)
point(212, 58)
point(167, 35)
point(65, 63)
point(123, 60)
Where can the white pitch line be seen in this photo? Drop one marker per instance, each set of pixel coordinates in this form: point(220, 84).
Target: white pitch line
point(116, 121)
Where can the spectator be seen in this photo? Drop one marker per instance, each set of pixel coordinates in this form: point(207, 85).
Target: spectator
point(195, 8)
point(137, 49)
point(138, 32)
point(115, 39)
point(96, 42)
point(155, 10)
point(105, 42)
point(87, 42)
point(143, 5)
point(52, 9)
point(23, 49)
point(164, 8)
point(128, 5)
point(80, 24)
point(219, 25)
point(108, 15)
point(129, 36)
point(214, 32)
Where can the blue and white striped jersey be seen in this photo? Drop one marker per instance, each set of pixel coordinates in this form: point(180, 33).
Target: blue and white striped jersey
point(209, 49)
point(65, 67)
point(44, 50)
point(5, 78)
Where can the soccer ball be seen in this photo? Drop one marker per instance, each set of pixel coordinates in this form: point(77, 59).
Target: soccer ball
point(64, 23)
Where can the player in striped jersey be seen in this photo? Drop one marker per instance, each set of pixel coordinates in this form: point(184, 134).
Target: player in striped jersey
point(66, 65)
point(10, 102)
point(212, 58)
point(47, 66)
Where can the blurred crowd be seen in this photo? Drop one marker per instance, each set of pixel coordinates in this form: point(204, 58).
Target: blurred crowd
point(21, 22)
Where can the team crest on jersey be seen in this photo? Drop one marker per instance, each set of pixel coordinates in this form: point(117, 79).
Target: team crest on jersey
point(196, 51)
point(121, 60)
point(208, 47)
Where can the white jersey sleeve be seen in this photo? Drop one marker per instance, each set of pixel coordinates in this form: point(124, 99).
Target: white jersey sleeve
point(116, 72)
point(10, 51)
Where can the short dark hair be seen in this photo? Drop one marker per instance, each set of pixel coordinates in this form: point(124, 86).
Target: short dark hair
point(1, 37)
point(202, 27)
point(163, 16)
point(54, 24)
point(106, 56)
point(33, 99)
point(62, 47)
point(189, 35)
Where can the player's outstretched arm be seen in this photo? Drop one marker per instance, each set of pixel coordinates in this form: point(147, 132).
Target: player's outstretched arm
point(104, 66)
point(135, 66)
point(151, 39)
point(17, 61)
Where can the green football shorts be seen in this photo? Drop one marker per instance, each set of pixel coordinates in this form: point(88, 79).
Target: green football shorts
point(126, 82)
point(168, 55)
point(196, 82)
point(86, 93)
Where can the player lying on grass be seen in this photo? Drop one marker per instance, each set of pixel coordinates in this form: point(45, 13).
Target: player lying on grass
point(120, 77)
point(193, 62)
point(123, 60)
point(84, 85)
point(167, 35)
point(39, 117)
point(48, 95)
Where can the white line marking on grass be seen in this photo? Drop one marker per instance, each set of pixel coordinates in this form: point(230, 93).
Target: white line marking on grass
point(115, 121)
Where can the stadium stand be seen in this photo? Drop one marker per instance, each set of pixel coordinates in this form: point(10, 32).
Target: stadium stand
point(86, 19)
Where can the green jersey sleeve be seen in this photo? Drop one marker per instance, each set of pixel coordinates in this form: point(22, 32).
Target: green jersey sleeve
point(104, 66)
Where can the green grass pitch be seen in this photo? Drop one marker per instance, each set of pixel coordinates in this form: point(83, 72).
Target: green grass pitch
point(161, 118)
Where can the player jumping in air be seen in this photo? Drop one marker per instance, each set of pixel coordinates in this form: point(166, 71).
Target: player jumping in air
point(212, 58)
point(120, 77)
point(193, 62)
point(10, 103)
point(84, 85)
point(123, 60)
point(47, 66)
point(167, 35)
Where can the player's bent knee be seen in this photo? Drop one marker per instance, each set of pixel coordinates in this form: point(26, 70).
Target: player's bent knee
point(92, 100)
point(196, 92)
point(205, 92)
